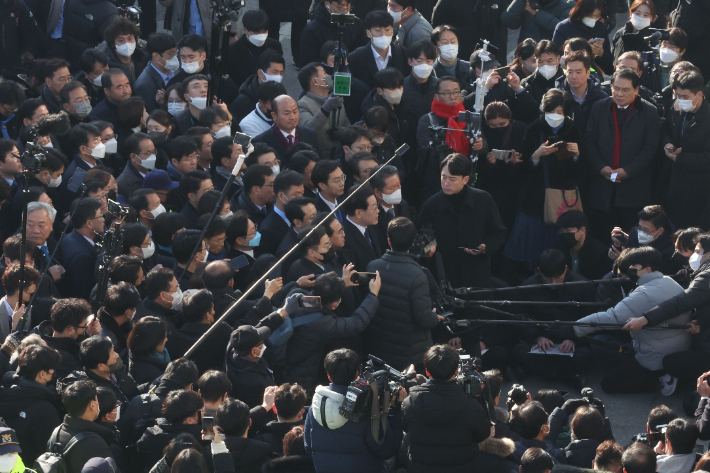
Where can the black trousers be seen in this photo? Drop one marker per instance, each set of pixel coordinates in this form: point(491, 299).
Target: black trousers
point(149, 22)
point(630, 377)
point(297, 28)
point(687, 366)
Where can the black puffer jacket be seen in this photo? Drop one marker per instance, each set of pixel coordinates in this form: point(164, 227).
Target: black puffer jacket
point(320, 30)
point(400, 334)
point(444, 426)
point(305, 347)
point(274, 432)
point(247, 454)
point(84, 24)
point(537, 84)
point(31, 410)
point(156, 438)
point(246, 100)
point(97, 445)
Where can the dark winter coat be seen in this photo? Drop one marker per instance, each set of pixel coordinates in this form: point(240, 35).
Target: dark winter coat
point(209, 355)
point(495, 456)
point(274, 432)
point(474, 21)
point(320, 30)
point(178, 343)
point(479, 222)
point(247, 454)
point(692, 17)
point(400, 332)
point(626, 39)
point(91, 447)
point(639, 141)
point(537, 84)
point(594, 261)
point(444, 426)
point(363, 66)
point(18, 31)
point(70, 351)
point(522, 104)
point(139, 58)
point(84, 24)
point(580, 112)
point(156, 438)
point(568, 29)
point(30, 409)
point(538, 26)
point(418, 97)
point(145, 369)
point(246, 99)
point(289, 464)
point(304, 350)
point(243, 55)
point(122, 384)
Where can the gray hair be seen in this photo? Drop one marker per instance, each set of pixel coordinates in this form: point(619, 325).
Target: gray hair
point(378, 180)
point(32, 206)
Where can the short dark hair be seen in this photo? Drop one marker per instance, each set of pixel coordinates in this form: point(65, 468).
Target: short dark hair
point(107, 401)
point(459, 165)
point(95, 350)
point(573, 219)
point(139, 198)
point(146, 335)
point(646, 256)
point(678, 37)
point(90, 57)
point(358, 200)
point(322, 170)
point(165, 226)
point(545, 46)
point(633, 55)
point(308, 72)
point(190, 79)
point(132, 144)
point(302, 159)
point(329, 287)
point(627, 74)
point(660, 415)
point(289, 399)
point(120, 26)
point(378, 178)
point(441, 362)
point(180, 147)
point(401, 232)
point(191, 181)
point(85, 210)
point(294, 208)
point(255, 176)
point(182, 371)
point(377, 118)
point(77, 396)
point(608, 455)
point(11, 93)
point(587, 423)
point(28, 108)
point(689, 81)
point(356, 159)
point(286, 180)
point(209, 116)
point(180, 405)
point(535, 460)
point(389, 78)
point(436, 32)
point(554, 98)
point(69, 312)
point(233, 417)
point(378, 19)
point(654, 214)
point(183, 244)
point(67, 88)
point(267, 57)
point(221, 148)
point(125, 268)
point(13, 278)
point(269, 90)
point(494, 380)
point(237, 226)
point(328, 48)
point(196, 304)
point(700, 238)
point(213, 385)
point(107, 77)
point(159, 43)
point(260, 149)
point(639, 458)
point(79, 135)
point(497, 110)
point(580, 56)
point(422, 46)
point(255, 20)
point(311, 241)
point(532, 417)
point(552, 263)
point(342, 365)
point(36, 358)
point(682, 435)
point(121, 297)
point(193, 41)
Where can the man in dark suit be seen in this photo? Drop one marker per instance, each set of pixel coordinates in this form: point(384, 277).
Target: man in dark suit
point(225, 156)
point(317, 252)
point(362, 215)
point(141, 160)
point(257, 196)
point(388, 192)
point(585, 254)
point(286, 130)
point(77, 251)
point(86, 144)
point(163, 64)
point(329, 178)
point(242, 237)
point(183, 245)
point(288, 185)
point(117, 89)
point(194, 184)
point(367, 60)
point(270, 66)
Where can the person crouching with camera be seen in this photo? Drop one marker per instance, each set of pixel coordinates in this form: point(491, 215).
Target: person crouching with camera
point(444, 424)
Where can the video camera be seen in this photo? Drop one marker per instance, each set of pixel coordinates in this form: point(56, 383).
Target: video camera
point(658, 34)
point(516, 396)
point(33, 158)
point(650, 438)
point(376, 374)
point(468, 376)
point(342, 18)
point(131, 13)
point(424, 240)
point(588, 395)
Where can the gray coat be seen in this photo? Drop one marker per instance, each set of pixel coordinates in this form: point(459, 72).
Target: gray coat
point(414, 29)
point(639, 142)
point(650, 345)
point(147, 86)
point(311, 115)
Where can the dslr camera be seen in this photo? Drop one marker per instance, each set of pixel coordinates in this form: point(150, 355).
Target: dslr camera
point(424, 240)
point(469, 377)
point(588, 395)
point(131, 13)
point(516, 396)
point(651, 438)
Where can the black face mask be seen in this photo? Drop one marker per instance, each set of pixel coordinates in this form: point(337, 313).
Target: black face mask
point(632, 273)
point(158, 137)
point(568, 240)
point(328, 256)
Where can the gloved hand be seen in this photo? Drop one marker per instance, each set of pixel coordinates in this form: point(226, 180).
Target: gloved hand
point(291, 304)
point(333, 102)
point(571, 406)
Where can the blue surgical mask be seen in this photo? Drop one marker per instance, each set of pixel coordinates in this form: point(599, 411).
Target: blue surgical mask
point(254, 242)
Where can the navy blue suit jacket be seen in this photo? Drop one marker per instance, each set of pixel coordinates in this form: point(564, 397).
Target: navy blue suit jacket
point(271, 138)
point(64, 196)
point(78, 257)
point(106, 111)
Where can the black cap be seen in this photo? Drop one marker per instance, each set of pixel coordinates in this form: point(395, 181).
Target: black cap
point(490, 63)
point(99, 465)
point(246, 337)
point(8, 441)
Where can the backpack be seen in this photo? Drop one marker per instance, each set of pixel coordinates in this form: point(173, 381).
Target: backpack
point(53, 460)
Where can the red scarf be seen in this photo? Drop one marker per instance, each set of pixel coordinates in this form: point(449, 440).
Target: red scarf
point(617, 134)
point(456, 140)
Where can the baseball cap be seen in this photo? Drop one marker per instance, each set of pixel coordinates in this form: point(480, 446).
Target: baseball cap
point(8, 441)
point(246, 337)
point(159, 180)
point(476, 61)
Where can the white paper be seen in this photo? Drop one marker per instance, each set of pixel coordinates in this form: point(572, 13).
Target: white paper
point(613, 176)
point(555, 350)
point(483, 352)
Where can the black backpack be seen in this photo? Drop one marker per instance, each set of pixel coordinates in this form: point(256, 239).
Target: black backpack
point(53, 461)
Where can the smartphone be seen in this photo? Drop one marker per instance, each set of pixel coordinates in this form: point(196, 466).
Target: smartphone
point(310, 302)
point(238, 262)
point(559, 144)
point(242, 139)
point(623, 240)
point(503, 71)
point(475, 250)
point(359, 278)
point(90, 319)
point(208, 427)
point(502, 155)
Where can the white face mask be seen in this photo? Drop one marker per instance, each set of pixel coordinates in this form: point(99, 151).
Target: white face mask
point(396, 15)
point(136, 129)
point(126, 49)
point(7, 462)
point(111, 146)
point(449, 52)
point(394, 198)
point(97, 81)
point(258, 40)
point(694, 261)
point(276, 78)
point(149, 163)
point(191, 67)
point(686, 105)
point(99, 152)
point(645, 238)
point(176, 107)
point(263, 349)
point(640, 23)
point(148, 252)
point(484, 76)
point(54, 213)
point(177, 299)
point(394, 97)
point(172, 64)
point(276, 169)
point(55, 182)
point(199, 102)
point(204, 258)
point(548, 72)
point(554, 119)
point(48, 145)
point(227, 215)
point(667, 55)
point(157, 211)
point(381, 42)
point(590, 22)
point(223, 132)
point(423, 71)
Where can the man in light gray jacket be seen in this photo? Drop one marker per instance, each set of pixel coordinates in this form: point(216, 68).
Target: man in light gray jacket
point(410, 25)
point(643, 372)
point(318, 106)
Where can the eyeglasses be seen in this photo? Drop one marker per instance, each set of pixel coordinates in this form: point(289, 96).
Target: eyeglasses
point(450, 94)
point(65, 80)
point(338, 180)
point(191, 158)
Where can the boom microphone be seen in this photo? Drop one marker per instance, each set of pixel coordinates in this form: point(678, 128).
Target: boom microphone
point(657, 35)
point(55, 124)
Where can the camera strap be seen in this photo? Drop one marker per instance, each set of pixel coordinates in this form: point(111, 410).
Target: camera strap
point(379, 418)
point(323, 400)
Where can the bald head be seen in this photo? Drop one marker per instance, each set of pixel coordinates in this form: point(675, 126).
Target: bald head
point(284, 111)
point(218, 275)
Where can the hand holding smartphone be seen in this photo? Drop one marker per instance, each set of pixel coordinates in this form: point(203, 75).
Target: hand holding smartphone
point(208, 431)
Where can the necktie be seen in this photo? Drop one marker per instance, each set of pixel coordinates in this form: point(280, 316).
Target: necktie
point(290, 140)
point(263, 210)
point(46, 252)
point(367, 237)
point(390, 212)
point(339, 216)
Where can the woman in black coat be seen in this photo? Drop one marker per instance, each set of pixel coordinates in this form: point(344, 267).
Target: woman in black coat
point(148, 357)
point(630, 37)
point(543, 166)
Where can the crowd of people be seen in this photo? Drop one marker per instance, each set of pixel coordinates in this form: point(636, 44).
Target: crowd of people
point(175, 300)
